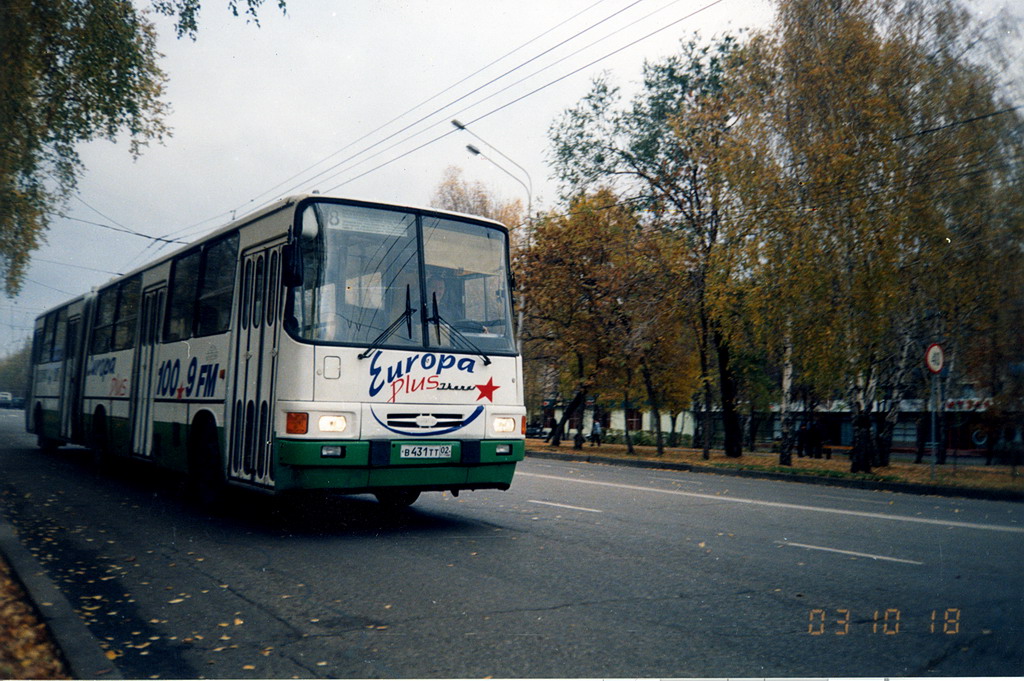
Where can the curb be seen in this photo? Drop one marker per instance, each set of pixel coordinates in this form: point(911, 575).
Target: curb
point(80, 649)
point(881, 485)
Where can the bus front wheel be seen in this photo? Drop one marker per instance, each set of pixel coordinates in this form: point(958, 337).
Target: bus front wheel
point(397, 498)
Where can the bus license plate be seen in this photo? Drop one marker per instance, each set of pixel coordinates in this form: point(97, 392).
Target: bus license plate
point(425, 451)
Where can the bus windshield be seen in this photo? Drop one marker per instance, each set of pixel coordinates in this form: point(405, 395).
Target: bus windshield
point(367, 281)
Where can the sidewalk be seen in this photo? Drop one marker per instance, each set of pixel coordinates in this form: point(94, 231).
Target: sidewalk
point(82, 656)
point(1000, 483)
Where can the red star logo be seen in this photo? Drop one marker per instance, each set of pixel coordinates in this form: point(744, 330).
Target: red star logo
point(181, 389)
point(487, 390)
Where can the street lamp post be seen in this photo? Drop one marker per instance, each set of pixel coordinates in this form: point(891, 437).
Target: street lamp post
point(529, 200)
point(528, 185)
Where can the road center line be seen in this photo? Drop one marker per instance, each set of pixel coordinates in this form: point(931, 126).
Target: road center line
point(850, 553)
point(574, 508)
point(776, 504)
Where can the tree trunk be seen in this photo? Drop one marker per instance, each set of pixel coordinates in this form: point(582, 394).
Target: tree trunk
point(786, 443)
point(574, 405)
point(861, 455)
point(883, 444)
point(652, 397)
point(704, 426)
point(730, 396)
point(625, 432)
point(707, 425)
point(752, 425)
point(940, 436)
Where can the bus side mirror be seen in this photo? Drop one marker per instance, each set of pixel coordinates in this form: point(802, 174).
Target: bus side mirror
point(291, 270)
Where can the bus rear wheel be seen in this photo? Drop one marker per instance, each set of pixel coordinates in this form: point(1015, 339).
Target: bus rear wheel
point(397, 498)
point(47, 444)
point(206, 475)
point(99, 442)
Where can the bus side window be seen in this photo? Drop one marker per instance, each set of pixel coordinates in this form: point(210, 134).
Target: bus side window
point(49, 328)
point(103, 328)
point(37, 345)
point(220, 260)
point(59, 335)
point(181, 298)
point(127, 313)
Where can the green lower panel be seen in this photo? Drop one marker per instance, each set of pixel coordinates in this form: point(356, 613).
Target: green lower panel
point(497, 474)
point(290, 477)
point(347, 467)
point(440, 476)
point(489, 451)
point(309, 453)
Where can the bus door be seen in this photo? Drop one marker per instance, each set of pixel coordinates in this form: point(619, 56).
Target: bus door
point(144, 377)
point(255, 366)
point(70, 388)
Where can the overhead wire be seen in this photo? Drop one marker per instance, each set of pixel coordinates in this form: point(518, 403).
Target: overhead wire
point(187, 231)
point(498, 92)
point(447, 89)
point(530, 93)
point(445, 107)
point(166, 239)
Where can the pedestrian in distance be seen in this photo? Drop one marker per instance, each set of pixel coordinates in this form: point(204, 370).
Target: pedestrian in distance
point(595, 434)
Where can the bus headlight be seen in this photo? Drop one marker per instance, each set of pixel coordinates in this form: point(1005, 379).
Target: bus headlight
point(332, 424)
point(504, 424)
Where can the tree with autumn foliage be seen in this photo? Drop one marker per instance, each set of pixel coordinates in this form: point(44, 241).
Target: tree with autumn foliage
point(869, 165)
point(600, 300)
point(72, 71)
point(660, 153)
point(475, 198)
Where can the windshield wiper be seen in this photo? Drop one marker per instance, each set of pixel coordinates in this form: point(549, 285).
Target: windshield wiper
point(386, 333)
point(437, 320)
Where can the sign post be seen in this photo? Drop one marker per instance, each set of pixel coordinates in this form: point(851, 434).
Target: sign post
point(934, 359)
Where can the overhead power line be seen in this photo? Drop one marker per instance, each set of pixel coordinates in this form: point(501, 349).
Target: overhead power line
point(956, 124)
point(123, 230)
point(325, 173)
point(529, 94)
point(81, 267)
point(448, 89)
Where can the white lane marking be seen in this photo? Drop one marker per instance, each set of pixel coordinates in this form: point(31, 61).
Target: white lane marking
point(857, 501)
point(850, 553)
point(777, 504)
point(574, 508)
point(679, 482)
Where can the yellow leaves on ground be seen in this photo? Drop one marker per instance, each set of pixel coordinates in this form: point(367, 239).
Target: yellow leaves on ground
point(26, 651)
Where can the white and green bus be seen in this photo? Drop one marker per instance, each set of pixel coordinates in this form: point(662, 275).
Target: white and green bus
point(318, 344)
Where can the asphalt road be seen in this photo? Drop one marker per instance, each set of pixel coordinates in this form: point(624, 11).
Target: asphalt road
point(578, 570)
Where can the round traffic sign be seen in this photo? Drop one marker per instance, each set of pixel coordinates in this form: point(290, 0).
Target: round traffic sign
point(934, 358)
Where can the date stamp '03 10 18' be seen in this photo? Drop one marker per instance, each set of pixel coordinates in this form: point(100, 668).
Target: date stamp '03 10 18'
point(888, 622)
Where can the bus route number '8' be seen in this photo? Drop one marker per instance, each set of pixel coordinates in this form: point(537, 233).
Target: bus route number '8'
point(889, 622)
point(200, 380)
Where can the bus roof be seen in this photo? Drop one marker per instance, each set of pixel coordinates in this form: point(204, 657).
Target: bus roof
point(270, 209)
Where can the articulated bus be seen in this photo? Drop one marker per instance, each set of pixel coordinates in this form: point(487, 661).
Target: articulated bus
point(318, 344)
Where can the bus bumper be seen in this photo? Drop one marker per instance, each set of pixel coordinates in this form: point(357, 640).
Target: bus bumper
point(365, 466)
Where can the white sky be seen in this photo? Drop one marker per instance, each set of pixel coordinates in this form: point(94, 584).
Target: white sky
point(254, 106)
